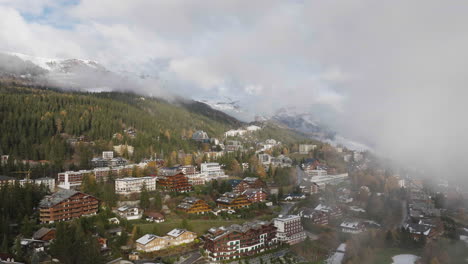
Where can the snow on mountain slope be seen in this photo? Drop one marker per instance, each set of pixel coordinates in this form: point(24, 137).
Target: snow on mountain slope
point(226, 104)
point(60, 65)
point(309, 124)
point(65, 73)
point(39, 61)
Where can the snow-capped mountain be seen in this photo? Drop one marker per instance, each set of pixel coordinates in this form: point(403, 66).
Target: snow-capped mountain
point(302, 121)
point(226, 104)
point(309, 124)
point(81, 74)
point(60, 65)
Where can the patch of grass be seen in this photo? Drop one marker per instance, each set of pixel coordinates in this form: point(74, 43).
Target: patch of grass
point(384, 255)
point(198, 226)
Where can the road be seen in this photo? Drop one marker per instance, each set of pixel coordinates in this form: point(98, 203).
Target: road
point(404, 213)
point(300, 174)
point(192, 258)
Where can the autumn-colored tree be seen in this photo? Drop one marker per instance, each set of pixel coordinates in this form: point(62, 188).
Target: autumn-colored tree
point(236, 167)
point(391, 184)
point(260, 171)
point(188, 159)
point(167, 134)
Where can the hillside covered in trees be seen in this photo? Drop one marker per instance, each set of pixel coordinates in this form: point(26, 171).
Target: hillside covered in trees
point(39, 124)
point(35, 122)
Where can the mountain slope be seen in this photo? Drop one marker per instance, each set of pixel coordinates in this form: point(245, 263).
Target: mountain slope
point(36, 122)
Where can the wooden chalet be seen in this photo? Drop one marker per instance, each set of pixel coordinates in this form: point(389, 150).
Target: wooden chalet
point(192, 205)
point(65, 205)
point(175, 183)
point(249, 183)
point(232, 200)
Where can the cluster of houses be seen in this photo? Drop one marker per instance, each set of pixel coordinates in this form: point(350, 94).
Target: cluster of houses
point(232, 242)
point(47, 182)
point(246, 192)
point(280, 161)
point(318, 176)
point(241, 132)
point(423, 219)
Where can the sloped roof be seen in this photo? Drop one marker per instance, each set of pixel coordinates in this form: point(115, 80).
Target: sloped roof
point(57, 197)
point(41, 232)
point(176, 232)
point(146, 239)
point(6, 178)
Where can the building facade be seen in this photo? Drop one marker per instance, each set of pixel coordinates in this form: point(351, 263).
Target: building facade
point(47, 182)
point(192, 205)
point(71, 179)
point(238, 241)
point(306, 148)
point(255, 195)
point(289, 229)
point(249, 183)
point(150, 242)
point(4, 180)
point(211, 169)
point(232, 200)
point(175, 183)
point(134, 185)
point(65, 205)
point(130, 212)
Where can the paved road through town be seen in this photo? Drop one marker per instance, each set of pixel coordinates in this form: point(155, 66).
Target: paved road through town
point(192, 258)
point(300, 174)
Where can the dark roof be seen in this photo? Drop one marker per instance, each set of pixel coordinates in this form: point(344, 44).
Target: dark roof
point(234, 183)
point(57, 197)
point(6, 178)
point(155, 215)
point(42, 232)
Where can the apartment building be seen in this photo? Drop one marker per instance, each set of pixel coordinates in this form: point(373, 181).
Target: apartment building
point(289, 229)
point(4, 180)
point(131, 185)
point(192, 205)
point(249, 183)
point(151, 242)
point(71, 179)
point(176, 183)
point(238, 241)
point(306, 148)
point(65, 205)
point(211, 169)
point(255, 195)
point(48, 182)
point(232, 200)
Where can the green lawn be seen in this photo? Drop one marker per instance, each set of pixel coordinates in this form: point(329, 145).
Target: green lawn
point(384, 255)
point(198, 226)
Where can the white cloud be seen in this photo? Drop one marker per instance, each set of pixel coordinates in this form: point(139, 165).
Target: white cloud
point(391, 73)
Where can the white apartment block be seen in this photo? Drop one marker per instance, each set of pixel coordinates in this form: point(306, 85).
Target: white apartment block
point(108, 155)
point(289, 229)
point(211, 170)
point(318, 172)
point(306, 148)
point(233, 133)
point(134, 185)
point(47, 182)
point(322, 181)
point(71, 179)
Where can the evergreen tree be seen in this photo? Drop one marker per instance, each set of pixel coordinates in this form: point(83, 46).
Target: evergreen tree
point(18, 249)
point(158, 201)
point(144, 198)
